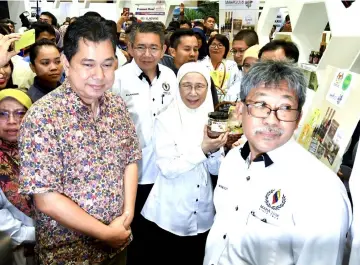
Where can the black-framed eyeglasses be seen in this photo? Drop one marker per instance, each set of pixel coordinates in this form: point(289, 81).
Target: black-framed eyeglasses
point(260, 110)
point(216, 46)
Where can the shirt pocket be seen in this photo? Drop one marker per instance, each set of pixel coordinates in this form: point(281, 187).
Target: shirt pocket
point(259, 236)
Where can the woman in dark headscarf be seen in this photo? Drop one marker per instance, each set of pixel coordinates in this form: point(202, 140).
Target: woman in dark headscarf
point(203, 47)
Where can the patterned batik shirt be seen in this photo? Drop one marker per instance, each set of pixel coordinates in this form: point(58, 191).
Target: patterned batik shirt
point(64, 149)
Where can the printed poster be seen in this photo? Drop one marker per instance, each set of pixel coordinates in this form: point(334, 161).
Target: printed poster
point(332, 117)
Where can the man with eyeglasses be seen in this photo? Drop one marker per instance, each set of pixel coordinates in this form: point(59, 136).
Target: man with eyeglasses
point(275, 202)
point(242, 41)
point(147, 88)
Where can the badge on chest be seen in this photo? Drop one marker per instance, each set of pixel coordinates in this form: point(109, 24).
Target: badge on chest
point(274, 201)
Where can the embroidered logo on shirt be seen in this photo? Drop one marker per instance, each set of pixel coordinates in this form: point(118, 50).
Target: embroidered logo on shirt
point(166, 87)
point(277, 201)
point(133, 94)
point(222, 187)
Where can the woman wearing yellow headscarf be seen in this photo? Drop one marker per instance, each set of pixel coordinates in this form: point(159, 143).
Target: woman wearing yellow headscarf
point(15, 209)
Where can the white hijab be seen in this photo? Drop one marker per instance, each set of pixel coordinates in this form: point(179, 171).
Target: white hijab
point(192, 121)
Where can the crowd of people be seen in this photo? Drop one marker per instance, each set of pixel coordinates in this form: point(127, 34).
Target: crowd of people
point(106, 158)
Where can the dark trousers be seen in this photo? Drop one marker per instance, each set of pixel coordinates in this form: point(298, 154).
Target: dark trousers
point(138, 228)
point(165, 248)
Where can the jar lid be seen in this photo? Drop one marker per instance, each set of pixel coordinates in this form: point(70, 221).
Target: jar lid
point(218, 115)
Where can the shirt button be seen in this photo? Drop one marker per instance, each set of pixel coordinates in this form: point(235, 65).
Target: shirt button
point(153, 99)
point(224, 237)
point(198, 186)
point(154, 114)
point(248, 178)
point(195, 212)
point(197, 200)
point(236, 208)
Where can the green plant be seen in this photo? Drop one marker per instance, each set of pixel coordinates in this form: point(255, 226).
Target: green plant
point(191, 14)
point(209, 9)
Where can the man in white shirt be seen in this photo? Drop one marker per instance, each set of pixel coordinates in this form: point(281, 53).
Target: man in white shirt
point(275, 203)
point(147, 88)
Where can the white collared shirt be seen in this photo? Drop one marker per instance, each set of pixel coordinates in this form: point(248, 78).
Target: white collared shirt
point(294, 211)
point(181, 200)
point(15, 223)
point(145, 102)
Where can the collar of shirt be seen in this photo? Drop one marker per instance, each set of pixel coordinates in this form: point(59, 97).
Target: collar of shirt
point(141, 74)
point(44, 89)
point(268, 158)
point(76, 101)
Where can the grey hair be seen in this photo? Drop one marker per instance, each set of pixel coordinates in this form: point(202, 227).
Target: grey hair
point(271, 73)
point(147, 27)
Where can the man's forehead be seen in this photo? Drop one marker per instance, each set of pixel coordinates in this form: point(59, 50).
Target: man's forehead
point(281, 89)
point(239, 43)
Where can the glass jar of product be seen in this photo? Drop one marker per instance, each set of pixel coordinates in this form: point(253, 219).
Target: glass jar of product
point(218, 123)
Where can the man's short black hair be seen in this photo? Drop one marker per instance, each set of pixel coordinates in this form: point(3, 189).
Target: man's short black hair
point(86, 28)
point(92, 14)
point(41, 27)
point(176, 36)
point(290, 49)
point(50, 15)
point(174, 24)
point(182, 22)
point(207, 17)
point(198, 24)
point(249, 36)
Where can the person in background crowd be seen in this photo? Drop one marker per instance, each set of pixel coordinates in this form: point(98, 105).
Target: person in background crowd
point(44, 31)
point(185, 24)
point(198, 24)
point(223, 72)
point(287, 25)
point(120, 56)
point(279, 50)
point(50, 19)
point(63, 29)
point(16, 211)
point(183, 49)
point(202, 44)
point(11, 24)
point(72, 20)
point(147, 88)
point(173, 25)
point(262, 215)
point(83, 177)
point(250, 58)
point(209, 25)
point(46, 64)
point(271, 35)
point(242, 41)
point(16, 72)
point(180, 207)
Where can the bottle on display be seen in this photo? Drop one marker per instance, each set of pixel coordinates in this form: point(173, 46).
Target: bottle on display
point(311, 57)
point(316, 58)
point(231, 20)
point(324, 121)
point(323, 44)
point(225, 25)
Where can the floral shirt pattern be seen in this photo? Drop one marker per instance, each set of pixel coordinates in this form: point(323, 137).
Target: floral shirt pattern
point(64, 149)
point(9, 177)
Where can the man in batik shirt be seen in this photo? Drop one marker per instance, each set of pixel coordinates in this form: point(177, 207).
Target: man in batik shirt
point(78, 151)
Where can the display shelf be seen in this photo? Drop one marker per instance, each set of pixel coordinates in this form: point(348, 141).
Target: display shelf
point(309, 28)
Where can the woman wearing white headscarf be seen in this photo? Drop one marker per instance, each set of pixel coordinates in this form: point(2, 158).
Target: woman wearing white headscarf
point(180, 205)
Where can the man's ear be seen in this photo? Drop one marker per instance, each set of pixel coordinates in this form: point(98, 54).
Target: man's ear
point(238, 110)
point(172, 52)
point(66, 64)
